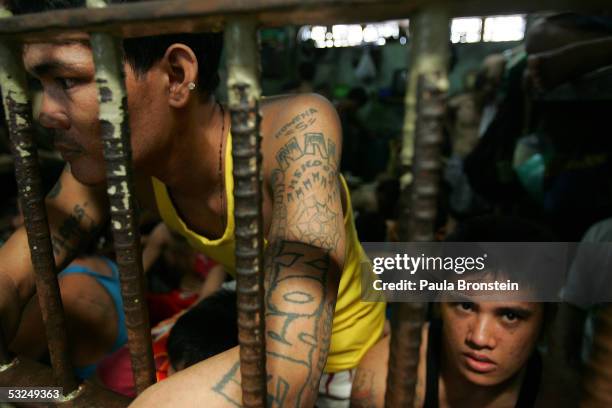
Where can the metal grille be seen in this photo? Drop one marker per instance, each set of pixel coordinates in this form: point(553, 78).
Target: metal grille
point(241, 20)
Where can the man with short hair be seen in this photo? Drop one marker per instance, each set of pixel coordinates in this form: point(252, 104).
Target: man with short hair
point(316, 323)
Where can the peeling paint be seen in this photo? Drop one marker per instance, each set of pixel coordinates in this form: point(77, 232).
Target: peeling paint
point(120, 171)
point(116, 225)
point(21, 151)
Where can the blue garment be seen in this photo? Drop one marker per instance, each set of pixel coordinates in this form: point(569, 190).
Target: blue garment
point(113, 287)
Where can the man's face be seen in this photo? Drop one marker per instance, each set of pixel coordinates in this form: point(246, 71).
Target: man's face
point(69, 103)
point(489, 342)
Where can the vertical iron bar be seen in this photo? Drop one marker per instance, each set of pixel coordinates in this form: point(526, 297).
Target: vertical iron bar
point(406, 328)
point(428, 51)
point(115, 133)
point(18, 113)
point(420, 155)
point(242, 46)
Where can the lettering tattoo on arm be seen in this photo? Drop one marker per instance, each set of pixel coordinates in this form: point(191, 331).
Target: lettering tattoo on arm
point(312, 186)
point(301, 263)
point(299, 318)
point(298, 123)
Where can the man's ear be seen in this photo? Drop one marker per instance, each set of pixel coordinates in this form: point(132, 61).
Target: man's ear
point(182, 68)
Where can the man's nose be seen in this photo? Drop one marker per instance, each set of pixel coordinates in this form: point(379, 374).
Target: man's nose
point(481, 333)
point(51, 115)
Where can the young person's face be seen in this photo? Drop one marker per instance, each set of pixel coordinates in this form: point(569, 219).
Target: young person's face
point(489, 342)
point(69, 104)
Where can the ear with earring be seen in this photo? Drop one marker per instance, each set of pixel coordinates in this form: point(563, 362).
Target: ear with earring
point(191, 86)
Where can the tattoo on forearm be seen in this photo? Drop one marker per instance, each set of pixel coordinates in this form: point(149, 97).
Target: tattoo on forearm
point(299, 316)
point(299, 123)
point(296, 306)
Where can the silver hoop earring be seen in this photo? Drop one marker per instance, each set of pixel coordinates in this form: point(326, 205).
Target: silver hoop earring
point(191, 86)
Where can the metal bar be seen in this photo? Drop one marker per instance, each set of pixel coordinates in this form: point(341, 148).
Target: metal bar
point(115, 133)
point(430, 32)
point(423, 120)
point(406, 327)
point(28, 373)
point(242, 46)
point(597, 379)
point(146, 18)
point(18, 113)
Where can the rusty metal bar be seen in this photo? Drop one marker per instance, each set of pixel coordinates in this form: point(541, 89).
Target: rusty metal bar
point(18, 113)
point(406, 327)
point(430, 34)
point(146, 18)
point(423, 126)
point(597, 379)
point(242, 46)
point(115, 133)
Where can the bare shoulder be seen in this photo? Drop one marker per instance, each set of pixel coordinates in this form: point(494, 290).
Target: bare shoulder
point(291, 115)
point(290, 122)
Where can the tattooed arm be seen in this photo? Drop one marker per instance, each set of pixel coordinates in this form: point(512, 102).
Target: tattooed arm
point(306, 252)
point(303, 263)
point(75, 211)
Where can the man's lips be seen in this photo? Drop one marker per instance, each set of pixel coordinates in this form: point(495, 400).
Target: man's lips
point(479, 362)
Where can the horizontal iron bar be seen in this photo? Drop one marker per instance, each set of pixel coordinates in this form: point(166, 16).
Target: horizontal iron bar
point(157, 17)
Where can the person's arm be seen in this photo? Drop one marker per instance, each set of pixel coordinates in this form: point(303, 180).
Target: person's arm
point(75, 214)
point(304, 260)
point(213, 282)
point(159, 238)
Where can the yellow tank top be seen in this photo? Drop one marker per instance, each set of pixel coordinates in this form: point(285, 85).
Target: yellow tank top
point(357, 325)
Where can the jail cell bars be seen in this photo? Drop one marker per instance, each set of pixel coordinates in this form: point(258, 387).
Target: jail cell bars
point(406, 327)
point(18, 114)
point(244, 92)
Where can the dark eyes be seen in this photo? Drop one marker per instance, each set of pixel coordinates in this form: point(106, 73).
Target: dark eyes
point(511, 316)
point(465, 306)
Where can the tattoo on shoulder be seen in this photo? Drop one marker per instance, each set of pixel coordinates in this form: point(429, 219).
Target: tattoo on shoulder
point(298, 123)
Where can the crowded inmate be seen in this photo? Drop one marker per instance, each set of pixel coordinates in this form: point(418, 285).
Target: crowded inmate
point(524, 159)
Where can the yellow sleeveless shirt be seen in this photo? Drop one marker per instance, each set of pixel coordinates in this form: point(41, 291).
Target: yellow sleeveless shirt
point(357, 325)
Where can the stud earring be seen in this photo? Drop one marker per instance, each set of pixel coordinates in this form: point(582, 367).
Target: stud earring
point(191, 86)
